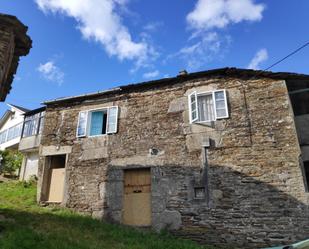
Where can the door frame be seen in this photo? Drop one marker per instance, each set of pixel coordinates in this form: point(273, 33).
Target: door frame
point(149, 168)
point(43, 191)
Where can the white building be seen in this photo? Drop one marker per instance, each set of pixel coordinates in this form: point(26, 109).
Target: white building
point(11, 125)
point(20, 129)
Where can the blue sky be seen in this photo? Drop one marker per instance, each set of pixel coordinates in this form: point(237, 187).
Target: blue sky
point(82, 46)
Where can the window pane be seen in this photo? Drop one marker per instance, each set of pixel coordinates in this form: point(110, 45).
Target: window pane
point(193, 107)
point(96, 126)
point(205, 108)
point(221, 113)
point(112, 119)
point(193, 115)
point(221, 104)
point(82, 124)
point(41, 124)
point(219, 95)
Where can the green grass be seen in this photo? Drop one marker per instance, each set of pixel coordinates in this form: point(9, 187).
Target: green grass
point(25, 225)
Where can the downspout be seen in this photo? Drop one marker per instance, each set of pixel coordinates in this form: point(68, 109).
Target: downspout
point(205, 177)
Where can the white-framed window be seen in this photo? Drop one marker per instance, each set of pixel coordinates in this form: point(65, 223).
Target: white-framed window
point(97, 122)
point(33, 124)
point(207, 106)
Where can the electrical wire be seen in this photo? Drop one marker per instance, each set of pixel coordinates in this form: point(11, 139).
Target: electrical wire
point(289, 55)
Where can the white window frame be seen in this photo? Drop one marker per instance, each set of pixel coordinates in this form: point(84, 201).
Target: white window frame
point(90, 118)
point(225, 104)
point(202, 94)
point(88, 121)
point(107, 121)
point(190, 107)
point(214, 105)
point(87, 113)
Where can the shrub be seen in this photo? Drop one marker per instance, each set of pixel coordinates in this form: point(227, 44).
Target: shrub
point(11, 161)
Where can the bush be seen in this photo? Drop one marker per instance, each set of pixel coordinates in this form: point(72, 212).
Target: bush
point(11, 161)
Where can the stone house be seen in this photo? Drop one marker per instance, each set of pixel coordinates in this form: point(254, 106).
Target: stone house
point(213, 156)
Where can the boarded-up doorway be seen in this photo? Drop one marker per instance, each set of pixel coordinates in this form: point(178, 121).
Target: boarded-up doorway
point(57, 175)
point(137, 197)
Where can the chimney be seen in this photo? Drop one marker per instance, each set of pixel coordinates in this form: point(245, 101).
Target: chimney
point(182, 73)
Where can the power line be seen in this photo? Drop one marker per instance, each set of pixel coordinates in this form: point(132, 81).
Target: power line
point(289, 55)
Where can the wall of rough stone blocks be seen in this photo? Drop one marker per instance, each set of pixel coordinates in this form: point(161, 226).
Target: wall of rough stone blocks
point(255, 184)
point(6, 52)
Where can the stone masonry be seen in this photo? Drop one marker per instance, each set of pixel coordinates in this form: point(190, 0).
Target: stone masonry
point(254, 183)
point(14, 42)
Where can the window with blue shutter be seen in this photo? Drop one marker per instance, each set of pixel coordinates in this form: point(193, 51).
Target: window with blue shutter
point(97, 122)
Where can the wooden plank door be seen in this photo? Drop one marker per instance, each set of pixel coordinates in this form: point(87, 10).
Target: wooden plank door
point(137, 197)
point(56, 185)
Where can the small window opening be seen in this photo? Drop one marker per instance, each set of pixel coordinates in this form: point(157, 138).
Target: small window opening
point(199, 193)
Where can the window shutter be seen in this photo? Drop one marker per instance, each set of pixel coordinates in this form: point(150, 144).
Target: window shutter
point(221, 109)
point(82, 124)
point(112, 119)
point(193, 112)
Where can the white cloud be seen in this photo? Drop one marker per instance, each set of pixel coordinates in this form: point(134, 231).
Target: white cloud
point(207, 42)
point(259, 57)
point(207, 48)
point(152, 74)
point(209, 14)
point(51, 72)
point(152, 26)
point(98, 20)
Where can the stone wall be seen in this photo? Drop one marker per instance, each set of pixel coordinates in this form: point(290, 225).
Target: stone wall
point(255, 190)
point(14, 42)
point(6, 53)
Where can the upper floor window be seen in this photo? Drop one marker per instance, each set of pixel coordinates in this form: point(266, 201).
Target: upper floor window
point(14, 131)
point(97, 122)
point(208, 106)
point(10, 133)
point(33, 124)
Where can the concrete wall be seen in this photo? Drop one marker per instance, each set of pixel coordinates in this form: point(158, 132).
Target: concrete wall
point(29, 166)
point(256, 194)
point(29, 143)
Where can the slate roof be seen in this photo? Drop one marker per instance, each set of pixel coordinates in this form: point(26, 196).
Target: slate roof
point(219, 73)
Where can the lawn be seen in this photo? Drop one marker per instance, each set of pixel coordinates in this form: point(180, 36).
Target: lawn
point(25, 225)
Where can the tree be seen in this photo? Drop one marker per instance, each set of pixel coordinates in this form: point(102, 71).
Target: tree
point(11, 161)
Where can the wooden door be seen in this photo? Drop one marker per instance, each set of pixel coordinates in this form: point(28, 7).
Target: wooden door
point(56, 185)
point(137, 197)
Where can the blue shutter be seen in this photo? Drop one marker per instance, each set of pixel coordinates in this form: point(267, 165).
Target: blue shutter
point(96, 126)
